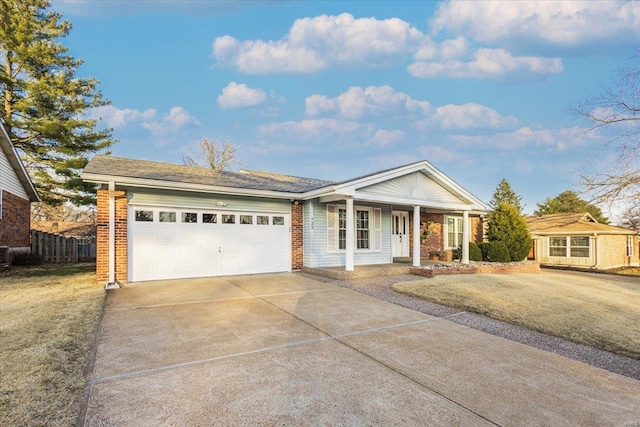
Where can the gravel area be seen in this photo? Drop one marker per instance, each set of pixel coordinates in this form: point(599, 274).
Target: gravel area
point(380, 287)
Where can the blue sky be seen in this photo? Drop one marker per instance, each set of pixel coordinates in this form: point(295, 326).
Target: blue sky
point(335, 90)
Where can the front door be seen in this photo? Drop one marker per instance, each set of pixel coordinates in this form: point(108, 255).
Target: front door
point(400, 234)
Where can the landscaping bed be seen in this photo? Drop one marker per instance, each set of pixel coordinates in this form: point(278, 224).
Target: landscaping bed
point(476, 268)
point(48, 320)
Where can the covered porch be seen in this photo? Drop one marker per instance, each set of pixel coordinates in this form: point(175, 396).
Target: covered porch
point(371, 270)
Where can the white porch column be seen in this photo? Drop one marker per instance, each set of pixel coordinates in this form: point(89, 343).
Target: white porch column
point(112, 233)
point(465, 237)
point(351, 236)
point(416, 236)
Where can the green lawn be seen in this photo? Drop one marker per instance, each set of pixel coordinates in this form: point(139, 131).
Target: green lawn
point(48, 319)
point(599, 312)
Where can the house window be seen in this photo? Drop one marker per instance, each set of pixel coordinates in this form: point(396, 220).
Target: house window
point(629, 245)
point(569, 246)
point(454, 232)
point(362, 229)
point(342, 229)
point(367, 228)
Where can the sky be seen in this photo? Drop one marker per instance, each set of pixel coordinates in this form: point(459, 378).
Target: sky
point(483, 90)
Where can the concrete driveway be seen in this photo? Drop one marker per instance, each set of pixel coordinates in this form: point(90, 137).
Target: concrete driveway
point(284, 349)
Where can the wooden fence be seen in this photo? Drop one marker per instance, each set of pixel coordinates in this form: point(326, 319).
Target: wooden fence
point(59, 249)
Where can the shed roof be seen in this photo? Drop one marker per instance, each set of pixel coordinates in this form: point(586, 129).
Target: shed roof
point(571, 223)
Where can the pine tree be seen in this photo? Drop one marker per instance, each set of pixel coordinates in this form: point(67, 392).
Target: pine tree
point(506, 225)
point(45, 103)
point(505, 194)
point(569, 202)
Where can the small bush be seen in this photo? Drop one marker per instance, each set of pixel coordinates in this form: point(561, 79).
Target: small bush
point(475, 254)
point(25, 258)
point(495, 252)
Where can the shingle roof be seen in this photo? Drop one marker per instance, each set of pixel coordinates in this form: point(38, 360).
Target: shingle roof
point(145, 169)
point(571, 223)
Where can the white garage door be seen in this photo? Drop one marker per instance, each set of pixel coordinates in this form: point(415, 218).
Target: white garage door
point(171, 243)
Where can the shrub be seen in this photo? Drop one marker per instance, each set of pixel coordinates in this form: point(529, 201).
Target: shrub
point(495, 252)
point(475, 254)
point(25, 258)
point(506, 225)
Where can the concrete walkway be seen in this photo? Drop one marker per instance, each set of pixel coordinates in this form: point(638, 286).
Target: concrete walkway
point(285, 349)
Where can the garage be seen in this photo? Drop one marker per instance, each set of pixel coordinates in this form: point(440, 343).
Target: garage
point(171, 243)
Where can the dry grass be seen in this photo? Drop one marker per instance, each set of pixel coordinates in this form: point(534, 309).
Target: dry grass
point(627, 271)
point(48, 319)
point(599, 312)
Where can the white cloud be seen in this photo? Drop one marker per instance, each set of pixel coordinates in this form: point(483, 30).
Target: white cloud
point(314, 44)
point(466, 116)
point(119, 117)
point(177, 119)
point(435, 153)
point(357, 102)
point(559, 23)
point(383, 138)
point(316, 129)
point(239, 95)
point(484, 63)
point(558, 139)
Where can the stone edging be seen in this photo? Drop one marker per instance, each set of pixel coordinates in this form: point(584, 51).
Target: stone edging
point(530, 268)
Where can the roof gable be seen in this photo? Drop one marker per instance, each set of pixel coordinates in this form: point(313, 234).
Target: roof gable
point(414, 185)
point(9, 153)
point(571, 223)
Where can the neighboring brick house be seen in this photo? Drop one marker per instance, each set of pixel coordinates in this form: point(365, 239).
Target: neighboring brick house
point(16, 194)
point(165, 221)
point(578, 240)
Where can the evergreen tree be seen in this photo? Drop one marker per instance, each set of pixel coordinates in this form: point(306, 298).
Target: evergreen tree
point(45, 103)
point(505, 194)
point(506, 225)
point(569, 202)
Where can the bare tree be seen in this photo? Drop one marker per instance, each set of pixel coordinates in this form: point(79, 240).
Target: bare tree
point(65, 212)
point(213, 154)
point(615, 113)
point(631, 216)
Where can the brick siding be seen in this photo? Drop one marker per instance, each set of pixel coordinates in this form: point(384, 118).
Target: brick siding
point(297, 251)
point(434, 243)
point(102, 238)
point(15, 221)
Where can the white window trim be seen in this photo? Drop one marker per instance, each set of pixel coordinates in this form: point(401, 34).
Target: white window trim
point(457, 233)
point(1, 195)
point(567, 246)
point(375, 233)
point(630, 245)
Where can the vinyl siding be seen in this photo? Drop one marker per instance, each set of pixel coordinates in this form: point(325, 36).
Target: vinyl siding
point(9, 180)
point(315, 240)
point(413, 186)
point(200, 200)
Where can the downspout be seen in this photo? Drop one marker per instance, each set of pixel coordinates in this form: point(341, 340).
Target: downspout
point(112, 238)
point(596, 250)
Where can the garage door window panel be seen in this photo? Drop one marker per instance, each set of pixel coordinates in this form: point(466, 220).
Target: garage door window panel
point(189, 217)
point(209, 218)
point(246, 219)
point(278, 220)
point(167, 216)
point(262, 220)
point(228, 219)
point(144, 216)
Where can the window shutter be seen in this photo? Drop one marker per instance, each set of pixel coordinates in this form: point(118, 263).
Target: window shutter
point(377, 229)
point(332, 221)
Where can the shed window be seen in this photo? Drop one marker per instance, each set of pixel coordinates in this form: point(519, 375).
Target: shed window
point(569, 246)
point(629, 245)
